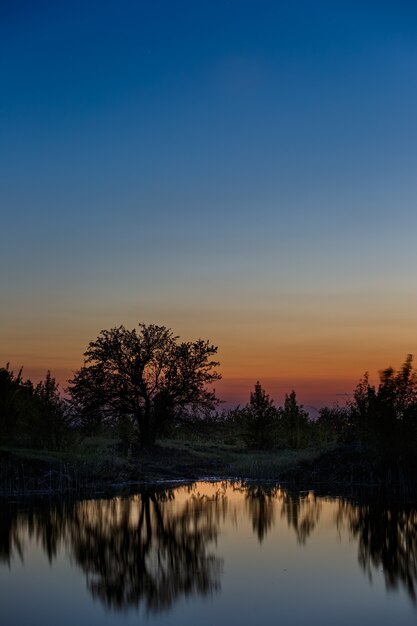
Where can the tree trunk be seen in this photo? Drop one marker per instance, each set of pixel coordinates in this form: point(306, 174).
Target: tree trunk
point(146, 434)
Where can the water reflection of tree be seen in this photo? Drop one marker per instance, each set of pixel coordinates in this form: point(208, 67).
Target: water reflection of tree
point(387, 539)
point(302, 510)
point(44, 523)
point(149, 550)
point(11, 540)
point(261, 502)
point(142, 551)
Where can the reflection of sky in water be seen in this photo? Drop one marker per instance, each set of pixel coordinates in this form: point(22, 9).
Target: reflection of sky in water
point(269, 558)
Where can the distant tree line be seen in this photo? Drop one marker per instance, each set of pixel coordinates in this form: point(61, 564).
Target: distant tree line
point(144, 384)
point(265, 425)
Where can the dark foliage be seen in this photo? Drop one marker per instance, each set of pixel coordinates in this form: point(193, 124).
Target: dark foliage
point(144, 377)
point(384, 418)
point(31, 415)
point(333, 424)
point(260, 419)
point(294, 422)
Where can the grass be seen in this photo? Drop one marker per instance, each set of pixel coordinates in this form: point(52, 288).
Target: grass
point(267, 465)
point(98, 461)
point(232, 461)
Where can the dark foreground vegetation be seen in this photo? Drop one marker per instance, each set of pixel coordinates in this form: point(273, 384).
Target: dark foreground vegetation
point(142, 407)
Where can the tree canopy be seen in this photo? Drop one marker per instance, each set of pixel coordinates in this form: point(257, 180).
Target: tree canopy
point(294, 419)
point(146, 376)
point(260, 419)
point(385, 417)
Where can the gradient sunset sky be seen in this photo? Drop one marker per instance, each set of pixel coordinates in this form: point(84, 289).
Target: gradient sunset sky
point(238, 171)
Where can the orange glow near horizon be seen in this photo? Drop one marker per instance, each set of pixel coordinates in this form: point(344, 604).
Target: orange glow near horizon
point(318, 345)
point(318, 378)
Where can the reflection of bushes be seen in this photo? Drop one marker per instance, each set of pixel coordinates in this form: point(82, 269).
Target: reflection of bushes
point(387, 539)
point(302, 511)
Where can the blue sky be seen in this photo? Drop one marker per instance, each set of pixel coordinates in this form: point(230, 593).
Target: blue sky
point(223, 168)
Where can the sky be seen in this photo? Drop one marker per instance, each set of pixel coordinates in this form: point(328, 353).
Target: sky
point(239, 171)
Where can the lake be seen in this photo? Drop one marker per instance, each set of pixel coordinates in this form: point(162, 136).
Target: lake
point(208, 553)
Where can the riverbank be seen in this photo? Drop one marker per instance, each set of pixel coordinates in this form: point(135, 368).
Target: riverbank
point(98, 466)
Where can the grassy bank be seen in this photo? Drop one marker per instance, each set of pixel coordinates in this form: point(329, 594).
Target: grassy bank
point(97, 463)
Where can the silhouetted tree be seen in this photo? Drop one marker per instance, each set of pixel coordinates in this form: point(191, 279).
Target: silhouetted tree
point(145, 376)
point(16, 404)
point(385, 418)
point(260, 419)
point(333, 424)
point(364, 408)
point(294, 420)
point(31, 415)
point(52, 427)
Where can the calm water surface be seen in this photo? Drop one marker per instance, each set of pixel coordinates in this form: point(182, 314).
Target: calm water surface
point(208, 553)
